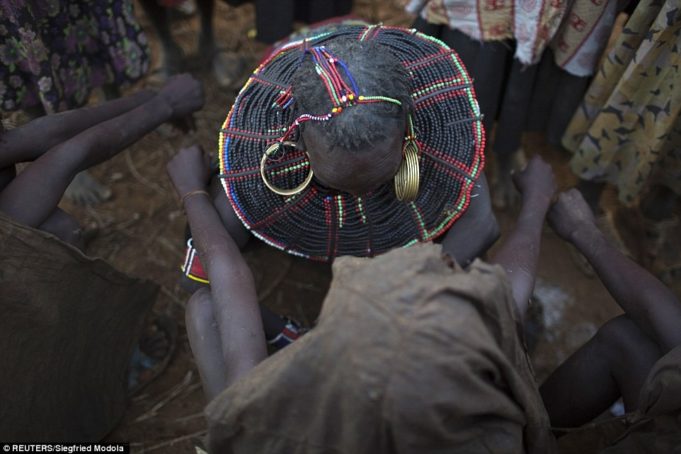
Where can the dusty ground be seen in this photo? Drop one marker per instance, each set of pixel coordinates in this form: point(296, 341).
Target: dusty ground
point(142, 231)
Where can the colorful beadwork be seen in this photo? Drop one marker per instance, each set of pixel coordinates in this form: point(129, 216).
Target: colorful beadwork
point(322, 224)
point(342, 94)
point(192, 267)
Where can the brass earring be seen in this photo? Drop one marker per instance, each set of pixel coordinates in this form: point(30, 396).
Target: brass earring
point(283, 192)
point(407, 178)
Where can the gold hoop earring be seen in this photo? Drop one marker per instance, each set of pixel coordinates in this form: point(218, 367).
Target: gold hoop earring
point(407, 178)
point(284, 192)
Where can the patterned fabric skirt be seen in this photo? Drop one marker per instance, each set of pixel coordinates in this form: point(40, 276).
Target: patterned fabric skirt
point(628, 129)
point(53, 52)
point(518, 97)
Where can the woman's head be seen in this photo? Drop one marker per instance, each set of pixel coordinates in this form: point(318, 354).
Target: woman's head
point(361, 148)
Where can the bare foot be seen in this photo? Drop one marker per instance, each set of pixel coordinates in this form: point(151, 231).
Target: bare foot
point(230, 70)
point(85, 190)
point(172, 63)
point(503, 190)
point(153, 352)
point(503, 193)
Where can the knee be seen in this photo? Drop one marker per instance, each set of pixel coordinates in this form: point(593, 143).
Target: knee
point(199, 310)
point(618, 336)
point(64, 227)
point(73, 234)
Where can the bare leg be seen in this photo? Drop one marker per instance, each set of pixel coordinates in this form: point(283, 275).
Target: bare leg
point(272, 323)
point(206, 38)
point(64, 227)
point(614, 363)
point(227, 67)
point(204, 340)
point(59, 223)
point(172, 53)
point(504, 194)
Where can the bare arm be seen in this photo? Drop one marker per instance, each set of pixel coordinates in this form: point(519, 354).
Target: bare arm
point(519, 254)
point(649, 303)
point(232, 286)
point(33, 139)
point(33, 195)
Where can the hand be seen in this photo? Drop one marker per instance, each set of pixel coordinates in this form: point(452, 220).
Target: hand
point(536, 180)
point(184, 95)
point(569, 214)
point(189, 170)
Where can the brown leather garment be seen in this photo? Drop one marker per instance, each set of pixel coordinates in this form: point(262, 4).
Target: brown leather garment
point(409, 356)
point(67, 330)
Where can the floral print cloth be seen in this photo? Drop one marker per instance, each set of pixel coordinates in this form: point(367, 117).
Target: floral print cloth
point(576, 30)
point(53, 52)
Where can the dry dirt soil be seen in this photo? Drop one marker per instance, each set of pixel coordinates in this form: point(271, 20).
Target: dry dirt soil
point(142, 226)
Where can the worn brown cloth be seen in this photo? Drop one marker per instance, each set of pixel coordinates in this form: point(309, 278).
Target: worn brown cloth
point(67, 330)
point(654, 428)
point(409, 356)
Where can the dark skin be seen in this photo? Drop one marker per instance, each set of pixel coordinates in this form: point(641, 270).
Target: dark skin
point(367, 171)
point(364, 171)
point(469, 237)
point(519, 254)
point(359, 172)
point(617, 360)
point(224, 325)
point(226, 67)
point(62, 145)
point(614, 363)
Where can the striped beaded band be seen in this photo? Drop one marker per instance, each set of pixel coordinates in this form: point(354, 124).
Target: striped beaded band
point(319, 223)
point(341, 93)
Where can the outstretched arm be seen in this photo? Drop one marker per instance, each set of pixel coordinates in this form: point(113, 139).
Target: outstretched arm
point(32, 140)
point(33, 195)
point(519, 254)
point(646, 301)
point(232, 287)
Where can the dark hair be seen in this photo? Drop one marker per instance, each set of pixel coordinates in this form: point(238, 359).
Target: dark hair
point(377, 73)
